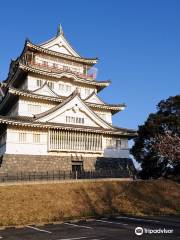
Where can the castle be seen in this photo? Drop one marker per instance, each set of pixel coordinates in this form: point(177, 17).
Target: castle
point(51, 116)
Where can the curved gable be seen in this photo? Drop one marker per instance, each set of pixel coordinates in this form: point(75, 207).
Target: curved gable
point(60, 45)
point(73, 107)
point(46, 91)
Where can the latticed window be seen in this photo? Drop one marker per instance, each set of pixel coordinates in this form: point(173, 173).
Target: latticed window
point(118, 143)
point(68, 88)
point(77, 141)
point(64, 88)
point(77, 120)
point(36, 138)
point(39, 82)
point(114, 143)
point(51, 85)
point(61, 87)
point(55, 65)
point(22, 137)
point(33, 109)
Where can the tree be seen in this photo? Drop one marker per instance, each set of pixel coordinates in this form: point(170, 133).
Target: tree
point(155, 145)
point(168, 146)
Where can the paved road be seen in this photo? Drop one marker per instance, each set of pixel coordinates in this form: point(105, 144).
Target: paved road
point(119, 228)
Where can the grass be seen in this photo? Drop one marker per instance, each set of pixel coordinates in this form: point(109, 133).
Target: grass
point(27, 204)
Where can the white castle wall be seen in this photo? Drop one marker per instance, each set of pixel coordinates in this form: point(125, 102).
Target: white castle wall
point(14, 146)
point(26, 110)
point(105, 115)
point(32, 85)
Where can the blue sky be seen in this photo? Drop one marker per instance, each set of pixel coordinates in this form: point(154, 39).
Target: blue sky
point(137, 42)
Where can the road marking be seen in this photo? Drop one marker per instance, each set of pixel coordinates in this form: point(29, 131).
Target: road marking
point(71, 238)
point(38, 229)
point(78, 225)
point(125, 224)
point(97, 238)
point(138, 219)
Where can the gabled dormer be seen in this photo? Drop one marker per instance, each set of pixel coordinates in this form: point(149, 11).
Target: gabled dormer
point(94, 98)
point(45, 90)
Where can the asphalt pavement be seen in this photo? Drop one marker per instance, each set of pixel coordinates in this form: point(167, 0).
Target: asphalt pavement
point(122, 227)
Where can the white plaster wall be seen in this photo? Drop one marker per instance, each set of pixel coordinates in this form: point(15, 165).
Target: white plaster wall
point(70, 113)
point(24, 111)
point(32, 85)
point(107, 116)
point(13, 146)
point(78, 109)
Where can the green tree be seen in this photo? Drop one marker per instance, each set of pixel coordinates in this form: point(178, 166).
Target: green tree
point(149, 146)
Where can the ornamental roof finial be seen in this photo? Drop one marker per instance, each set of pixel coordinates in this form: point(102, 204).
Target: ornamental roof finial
point(60, 30)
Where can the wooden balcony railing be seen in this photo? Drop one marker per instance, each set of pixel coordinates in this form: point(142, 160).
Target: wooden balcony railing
point(58, 69)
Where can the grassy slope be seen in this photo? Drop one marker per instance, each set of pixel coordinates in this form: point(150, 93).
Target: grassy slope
point(53, 202)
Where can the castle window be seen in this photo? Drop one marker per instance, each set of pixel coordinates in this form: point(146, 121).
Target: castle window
point(110, 143)
point(36, 138)
point(61, 87)
point(22, 137)
point(68, 88)
point(64, 88)
point(74, 120)
point(55, 65)
point(45, 63)
point(51, 85)
point(34, 109)
point(39, 82)
point(118, 143)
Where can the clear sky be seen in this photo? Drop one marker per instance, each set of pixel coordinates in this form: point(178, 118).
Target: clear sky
point(137, 42)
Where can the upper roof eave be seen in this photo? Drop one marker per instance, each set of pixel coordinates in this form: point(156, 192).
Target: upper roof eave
point(89, 61)
point(114, 108)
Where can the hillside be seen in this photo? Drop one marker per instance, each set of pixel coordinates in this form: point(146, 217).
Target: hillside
point(42, 203)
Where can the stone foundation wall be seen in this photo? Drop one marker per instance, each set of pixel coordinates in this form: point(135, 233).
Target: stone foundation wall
point(41, 163)
point(37, 163)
